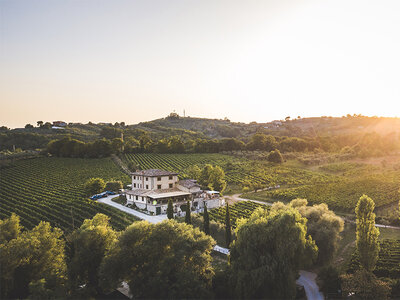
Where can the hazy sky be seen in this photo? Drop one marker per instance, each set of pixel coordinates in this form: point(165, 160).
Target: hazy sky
point(246, 60)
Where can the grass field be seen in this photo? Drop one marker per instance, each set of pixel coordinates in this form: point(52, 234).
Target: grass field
point(51, 189)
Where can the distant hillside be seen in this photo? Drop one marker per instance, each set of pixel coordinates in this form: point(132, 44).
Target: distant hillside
point(338, 126)
point(189, 128)
point(211, 128)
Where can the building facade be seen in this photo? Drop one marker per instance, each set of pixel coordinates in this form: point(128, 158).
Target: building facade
point(151, 189)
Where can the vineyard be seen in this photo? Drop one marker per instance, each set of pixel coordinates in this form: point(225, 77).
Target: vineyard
point(51, 189)
point(342, 195)
point(239, 210)
point(388, 264)
point(238, 170)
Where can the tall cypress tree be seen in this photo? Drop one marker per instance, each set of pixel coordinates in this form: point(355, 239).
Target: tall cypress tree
point(188, 218)
point(170, 209)
point(228, 232)
point(206, 220)
point(366, 233)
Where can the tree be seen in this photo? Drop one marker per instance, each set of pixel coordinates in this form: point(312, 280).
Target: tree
point(366, 233)
point(170, 209)
point(46, 125)
point(216, 179)
point(114, 185)
point(257, 142)
point(94, 186)
point(117, 145)
point(323, 226)
point(205, 175)
point(168, 260)
point(330, 280)
point(269, 249)
point(132, 166)
point(35, 255)
point(206, 220)
point(260, 141)
point(144, 142)
point(228, 229)
point(89, 244)
point(39, 123)
point(188, 219)
point(9, 228)
point(175, 145)
point(193, 172)
point(27, 126)
point(275, 156)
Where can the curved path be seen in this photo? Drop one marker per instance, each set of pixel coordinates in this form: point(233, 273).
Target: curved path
point(307, 279)
point(140, 215)
point(237, 197)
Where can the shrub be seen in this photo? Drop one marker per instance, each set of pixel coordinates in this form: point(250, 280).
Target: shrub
point(94, 186)
point(275, 157)
point(114, 185)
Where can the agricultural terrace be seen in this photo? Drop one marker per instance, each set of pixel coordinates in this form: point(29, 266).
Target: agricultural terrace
point(51, 189)
point(238, 171)
point(242, 209)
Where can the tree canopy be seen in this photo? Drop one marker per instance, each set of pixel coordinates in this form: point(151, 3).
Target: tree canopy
point(89, 244)
point(32, 262)
point(366, 233)
point(269, 249)
point(323, 226)
point(166, 260)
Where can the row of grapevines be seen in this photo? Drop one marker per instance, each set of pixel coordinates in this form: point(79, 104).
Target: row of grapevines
point(342, 194)
point(237, 170)
point(242, 209)
point(51, 189)
point(388, 264)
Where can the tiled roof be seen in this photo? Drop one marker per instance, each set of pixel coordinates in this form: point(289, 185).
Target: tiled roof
point(188, 183)
point(153, 173)
point(155, 194)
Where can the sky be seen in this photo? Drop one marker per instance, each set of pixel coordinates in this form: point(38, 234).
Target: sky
point(133, 61)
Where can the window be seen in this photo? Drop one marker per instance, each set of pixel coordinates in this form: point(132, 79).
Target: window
point(134, 185)
point(134, 177)
point(147, 178)
point(137, 197)
point(147, 186)
point(159, 186)
point(170, 185)
point(158, 178)
point(170, 177)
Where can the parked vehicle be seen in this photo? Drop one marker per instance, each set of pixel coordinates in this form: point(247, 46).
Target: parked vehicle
point(102, 195)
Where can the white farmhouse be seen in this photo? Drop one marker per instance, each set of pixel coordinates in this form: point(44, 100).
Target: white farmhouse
point(151, 190)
